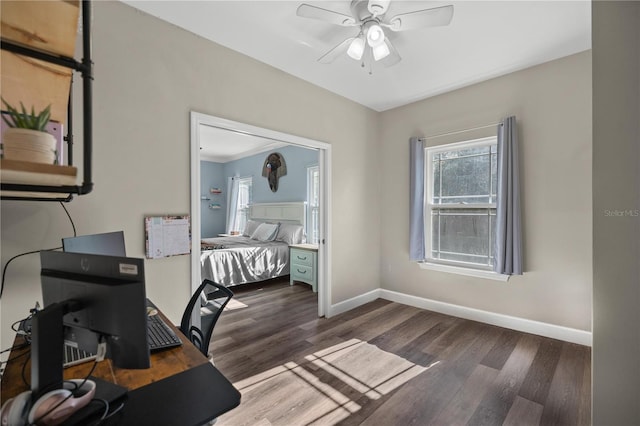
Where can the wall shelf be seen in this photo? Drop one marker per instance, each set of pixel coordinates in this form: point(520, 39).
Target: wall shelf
point(39, 187)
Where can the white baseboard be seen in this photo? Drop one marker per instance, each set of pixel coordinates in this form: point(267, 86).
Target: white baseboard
point(566, 334)
point(354, 302)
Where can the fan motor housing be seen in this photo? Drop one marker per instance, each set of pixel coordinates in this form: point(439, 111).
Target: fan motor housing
point(360, 10)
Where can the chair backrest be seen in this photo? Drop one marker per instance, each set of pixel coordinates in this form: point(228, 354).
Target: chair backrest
point(206, 304)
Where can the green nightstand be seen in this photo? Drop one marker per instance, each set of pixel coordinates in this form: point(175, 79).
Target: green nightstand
point(304, 264)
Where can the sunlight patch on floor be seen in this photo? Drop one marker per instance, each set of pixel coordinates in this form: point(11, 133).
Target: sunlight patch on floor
point(234, 304)
point(366, 368)
point(303, 394)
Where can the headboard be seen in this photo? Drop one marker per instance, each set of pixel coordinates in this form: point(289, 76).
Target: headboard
point(294, 212)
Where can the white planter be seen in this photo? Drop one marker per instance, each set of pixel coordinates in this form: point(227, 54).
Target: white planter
point(28, 145)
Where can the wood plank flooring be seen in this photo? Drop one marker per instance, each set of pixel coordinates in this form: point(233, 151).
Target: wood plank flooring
point(389, 364)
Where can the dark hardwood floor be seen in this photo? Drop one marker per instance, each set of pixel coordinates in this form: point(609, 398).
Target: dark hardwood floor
point(389, 364)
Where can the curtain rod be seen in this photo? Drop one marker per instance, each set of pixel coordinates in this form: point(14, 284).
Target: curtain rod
point(459, 131)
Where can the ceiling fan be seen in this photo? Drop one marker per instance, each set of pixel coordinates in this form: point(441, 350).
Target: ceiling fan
point(369, 17)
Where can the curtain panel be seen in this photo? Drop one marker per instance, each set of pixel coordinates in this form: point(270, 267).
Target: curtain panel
point(232, 203)
point(508, 250)
point(416, 200)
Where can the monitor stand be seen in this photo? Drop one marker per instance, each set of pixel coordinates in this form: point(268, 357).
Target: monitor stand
point(47, 338)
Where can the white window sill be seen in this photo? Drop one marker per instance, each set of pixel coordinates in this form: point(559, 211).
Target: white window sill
point(490, 275)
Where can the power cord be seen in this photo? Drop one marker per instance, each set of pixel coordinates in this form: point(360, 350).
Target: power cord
point(24, 331)
point(52, 409)
point(4, 270)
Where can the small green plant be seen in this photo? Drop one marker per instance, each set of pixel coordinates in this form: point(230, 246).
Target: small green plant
point(25, 120)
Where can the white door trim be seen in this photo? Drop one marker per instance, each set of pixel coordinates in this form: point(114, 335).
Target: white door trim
point(324, 250)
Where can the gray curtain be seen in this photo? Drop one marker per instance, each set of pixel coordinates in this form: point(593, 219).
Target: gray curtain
point(508, 253)
point(416, 200)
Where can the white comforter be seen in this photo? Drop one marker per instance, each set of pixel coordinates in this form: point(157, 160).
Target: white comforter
point(240, 260)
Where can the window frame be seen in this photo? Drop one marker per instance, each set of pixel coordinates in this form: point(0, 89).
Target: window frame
point(313, 232)
point(448, 265)
point(243, 212)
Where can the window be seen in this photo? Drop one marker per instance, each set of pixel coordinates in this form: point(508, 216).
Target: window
point(460, 204)
point(243, 203)
point(313, 204)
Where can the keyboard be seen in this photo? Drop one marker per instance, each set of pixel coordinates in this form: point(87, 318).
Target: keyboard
point(160, 335)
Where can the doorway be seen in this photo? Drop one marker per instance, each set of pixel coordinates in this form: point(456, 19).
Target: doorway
point(324, 164)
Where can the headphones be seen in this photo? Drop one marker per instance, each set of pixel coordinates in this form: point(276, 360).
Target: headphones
point(50, 409)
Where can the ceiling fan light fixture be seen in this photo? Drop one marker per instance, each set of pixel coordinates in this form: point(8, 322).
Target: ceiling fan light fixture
point(375, 35)
point(356, 48)
point(380, 52)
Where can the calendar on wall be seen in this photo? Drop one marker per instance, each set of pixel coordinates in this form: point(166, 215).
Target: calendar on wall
point(167, 236)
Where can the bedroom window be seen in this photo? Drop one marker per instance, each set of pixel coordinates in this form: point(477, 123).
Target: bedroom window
point(460, 204)
point(244, 200)
point(313, 204)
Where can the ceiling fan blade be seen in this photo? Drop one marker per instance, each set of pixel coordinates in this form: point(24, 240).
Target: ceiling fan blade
point(435, 17)
point(340, 49)
point(313, 12)
point(393, 57)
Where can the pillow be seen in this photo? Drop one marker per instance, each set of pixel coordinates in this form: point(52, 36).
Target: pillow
point(265, 232)
point(290, 233)
point(250, 228)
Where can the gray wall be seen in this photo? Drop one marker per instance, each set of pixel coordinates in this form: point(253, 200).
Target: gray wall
point(552, 103)
point(148, 76)
point(616, 213)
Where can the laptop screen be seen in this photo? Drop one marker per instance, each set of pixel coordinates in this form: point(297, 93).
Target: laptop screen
point(107, 244)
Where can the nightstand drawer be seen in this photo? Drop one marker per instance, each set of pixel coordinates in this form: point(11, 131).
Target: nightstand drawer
point(302, 257)
point(303, 264)
point(302, 273)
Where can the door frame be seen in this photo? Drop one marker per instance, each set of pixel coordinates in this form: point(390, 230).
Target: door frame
point(324, 165)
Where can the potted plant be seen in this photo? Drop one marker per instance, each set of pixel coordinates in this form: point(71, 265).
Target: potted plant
point(26, 138)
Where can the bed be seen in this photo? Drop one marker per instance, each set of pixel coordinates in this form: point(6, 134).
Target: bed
point(261, 252)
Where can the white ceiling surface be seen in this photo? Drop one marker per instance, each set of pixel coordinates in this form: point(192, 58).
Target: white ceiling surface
point(485, 39)
point(221, 146)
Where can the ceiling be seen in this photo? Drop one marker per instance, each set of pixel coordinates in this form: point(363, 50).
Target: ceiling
point(221, 146)
point(485, 39)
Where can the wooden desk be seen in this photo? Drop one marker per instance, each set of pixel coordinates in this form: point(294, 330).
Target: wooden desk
point(169, 369)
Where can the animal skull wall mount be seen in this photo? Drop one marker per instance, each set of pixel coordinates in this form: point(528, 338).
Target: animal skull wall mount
point(274, 167)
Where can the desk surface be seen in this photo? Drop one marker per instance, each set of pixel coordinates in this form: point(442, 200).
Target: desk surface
point(169, 368)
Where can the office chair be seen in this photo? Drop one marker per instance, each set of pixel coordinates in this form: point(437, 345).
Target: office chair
point(207, 302)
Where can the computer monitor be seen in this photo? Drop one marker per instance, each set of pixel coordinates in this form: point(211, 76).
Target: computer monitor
point(103, 295)
point(108, 243)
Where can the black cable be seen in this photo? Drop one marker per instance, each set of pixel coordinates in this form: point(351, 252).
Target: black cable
point(73, 225)
point(13, 326)
point(24, 367)
point(114, 412)
point(106, 410)
point(14, 347)
point(52, 409)
point(17, 330)
point(4, 270)
point(106, 415)
point(17, 347)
